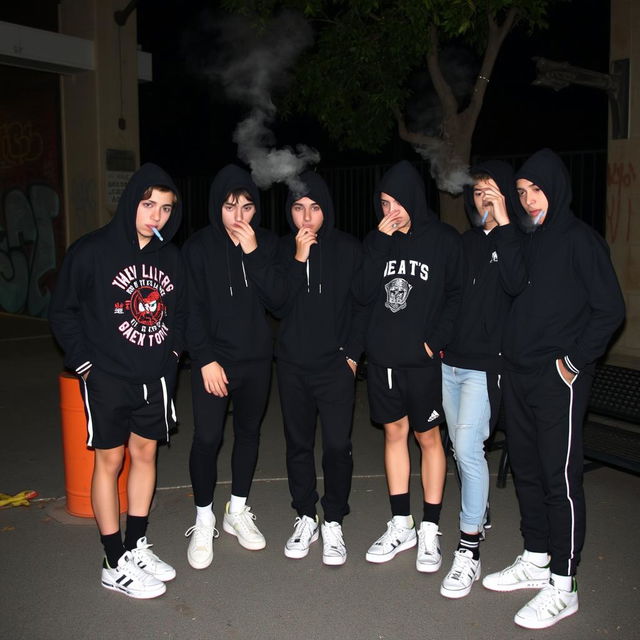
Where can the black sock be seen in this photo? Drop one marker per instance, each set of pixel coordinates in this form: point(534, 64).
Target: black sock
point(431, 512)
point(471, 542)
point(400, 504)
point(113, 547)
point(136, 528)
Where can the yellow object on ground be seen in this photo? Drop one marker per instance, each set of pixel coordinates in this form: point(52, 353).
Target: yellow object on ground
point(18, 500)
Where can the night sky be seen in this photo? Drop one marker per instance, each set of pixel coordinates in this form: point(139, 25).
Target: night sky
point(186, 122)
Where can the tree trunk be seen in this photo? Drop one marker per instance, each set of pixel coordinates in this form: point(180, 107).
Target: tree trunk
point(452, 211)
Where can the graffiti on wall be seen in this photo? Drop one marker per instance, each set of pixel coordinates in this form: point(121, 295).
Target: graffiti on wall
point(621, 177)
point(27, 249)
point(19, 144)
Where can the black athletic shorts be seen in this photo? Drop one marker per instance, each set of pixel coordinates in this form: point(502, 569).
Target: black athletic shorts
point(115, 408)
point(413, 392)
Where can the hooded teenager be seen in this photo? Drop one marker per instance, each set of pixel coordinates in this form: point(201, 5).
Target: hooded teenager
point(233, 278)
point(493, 274)
point(411, 281)
point(557, 328)
point(319, 343)
point(118, 312)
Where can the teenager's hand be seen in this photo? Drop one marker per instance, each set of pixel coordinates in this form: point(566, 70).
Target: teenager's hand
point(495, 197)
point(246, 235)
point(389, 224)
point(85, 375)
point(352, 365)
point(215, 379)
point(569, 376)
point(428, 350)
point(304, 239)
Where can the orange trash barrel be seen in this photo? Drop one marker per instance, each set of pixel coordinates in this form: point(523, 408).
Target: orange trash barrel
point(78, 458)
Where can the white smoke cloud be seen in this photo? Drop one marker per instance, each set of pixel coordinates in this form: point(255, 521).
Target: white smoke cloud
point(447, 170)
point(251, 66)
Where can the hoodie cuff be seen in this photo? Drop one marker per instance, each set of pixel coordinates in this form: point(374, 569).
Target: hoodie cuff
point(257, 259)
point(83, 368)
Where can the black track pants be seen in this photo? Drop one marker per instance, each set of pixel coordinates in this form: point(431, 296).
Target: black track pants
point(304, 395)
point(544, 422)
point(248, 389)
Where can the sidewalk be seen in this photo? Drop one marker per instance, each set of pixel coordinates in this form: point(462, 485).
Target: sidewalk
point(50, 570)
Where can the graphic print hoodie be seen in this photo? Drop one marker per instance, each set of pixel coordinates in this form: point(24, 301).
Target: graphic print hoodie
point(321, 322)
point(494, 273)
point(572, 303)
point(412, 282)
point(118, 307)
point(228, 289)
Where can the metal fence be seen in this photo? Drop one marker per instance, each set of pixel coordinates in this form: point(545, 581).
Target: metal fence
point(352, 190)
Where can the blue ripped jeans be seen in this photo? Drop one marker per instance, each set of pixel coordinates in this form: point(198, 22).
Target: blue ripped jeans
point(466, 406)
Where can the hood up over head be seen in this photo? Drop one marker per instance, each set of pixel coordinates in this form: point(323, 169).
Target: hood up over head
point(315, 188)
point(124, 221)
point(229, 179)
point(404, 183)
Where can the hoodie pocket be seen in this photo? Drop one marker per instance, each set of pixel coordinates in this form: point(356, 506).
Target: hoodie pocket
point(569, 384)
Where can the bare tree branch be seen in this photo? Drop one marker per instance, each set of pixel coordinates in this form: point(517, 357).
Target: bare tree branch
point(443, 90)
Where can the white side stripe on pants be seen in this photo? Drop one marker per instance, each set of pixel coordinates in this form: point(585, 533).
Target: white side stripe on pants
point(89, 420)
point(390, 378)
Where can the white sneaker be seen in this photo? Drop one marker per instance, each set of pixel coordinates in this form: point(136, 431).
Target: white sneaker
point(398, 537)
point(429, 558)
point(130, 579)
point(149, 561)
point(464, 572)
point(305, 531)
point(200, 551)
point(334, 551)
point(522, 574)
point(242, 526)
point(549, 606)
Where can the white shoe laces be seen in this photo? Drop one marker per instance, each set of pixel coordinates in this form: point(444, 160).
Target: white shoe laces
point(429, 543)
point(244, 520)
point(461, 563)
point(131, 569)
point(332, 537)
point(202, 533)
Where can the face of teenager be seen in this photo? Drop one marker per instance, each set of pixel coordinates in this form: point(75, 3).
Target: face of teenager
point(240, 209)
point(153, 212)
point(482, 204)
point(392, 209)
point(307, 214)
point(533, 200)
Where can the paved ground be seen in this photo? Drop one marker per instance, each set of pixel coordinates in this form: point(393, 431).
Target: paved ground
point(49, 564)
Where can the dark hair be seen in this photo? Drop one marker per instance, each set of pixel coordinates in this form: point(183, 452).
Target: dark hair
point(234, 194)
point(480, 177)
point(159, 187)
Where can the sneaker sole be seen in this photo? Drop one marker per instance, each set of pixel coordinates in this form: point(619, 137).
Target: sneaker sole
point(379, 559)
point(544, 624)
point(252, 546)
point(531, 584)
point(428, 568)
point(194, 564)
point(297, 554)
point(334, 561)
point(139, 595)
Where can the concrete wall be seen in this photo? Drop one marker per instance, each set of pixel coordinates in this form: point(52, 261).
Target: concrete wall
point(623, 179)
point(93, 103)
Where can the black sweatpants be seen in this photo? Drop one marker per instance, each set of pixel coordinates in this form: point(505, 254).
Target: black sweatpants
point(305, 394)
point(248, 389)
point(544, 423)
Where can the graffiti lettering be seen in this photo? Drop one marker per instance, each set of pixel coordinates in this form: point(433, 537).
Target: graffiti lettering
point(27, 249)
point(620, 178)
point(19, 144)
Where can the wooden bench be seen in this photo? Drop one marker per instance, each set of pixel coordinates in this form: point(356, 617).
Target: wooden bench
point(611, 435)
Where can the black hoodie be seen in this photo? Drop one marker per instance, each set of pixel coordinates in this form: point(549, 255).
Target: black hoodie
point(321, 321)
point(412, 281)
point(116, 306)
point(228, 289)
point(493, 274)
point(572, 303)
